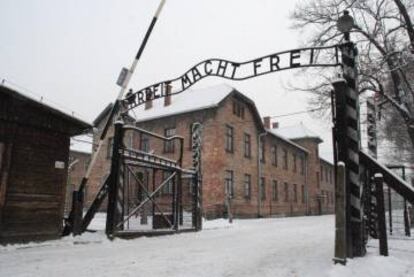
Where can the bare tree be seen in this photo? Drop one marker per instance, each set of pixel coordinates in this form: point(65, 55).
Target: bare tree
point(384, 36)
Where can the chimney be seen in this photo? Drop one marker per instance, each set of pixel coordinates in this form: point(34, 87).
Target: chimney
point(266, 122)
point(275, 125)
point(148, 98)
point(167, 98)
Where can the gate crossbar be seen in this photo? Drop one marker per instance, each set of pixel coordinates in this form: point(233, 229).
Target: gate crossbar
point(148, 198)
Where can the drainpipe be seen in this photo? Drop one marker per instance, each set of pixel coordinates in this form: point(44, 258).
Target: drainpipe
point(259, 175)
point(306, 184)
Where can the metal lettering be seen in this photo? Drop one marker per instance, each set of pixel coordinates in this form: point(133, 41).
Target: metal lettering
point(196, 74)
point(238, 71)
point(274, 63)
point(207, 71)
point(185, 82)
point(155, 90)
point(235, 66)
point(295, 54)
point(222, 66)
point(256, 65)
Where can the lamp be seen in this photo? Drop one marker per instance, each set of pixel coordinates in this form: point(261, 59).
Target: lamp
point(345, 23)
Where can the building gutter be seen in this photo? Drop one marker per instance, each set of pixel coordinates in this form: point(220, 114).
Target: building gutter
point(259, 174)
point(307, 185)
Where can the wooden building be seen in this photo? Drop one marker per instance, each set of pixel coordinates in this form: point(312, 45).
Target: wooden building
point(34, 155)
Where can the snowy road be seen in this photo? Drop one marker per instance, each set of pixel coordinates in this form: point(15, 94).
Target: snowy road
point(301, 246)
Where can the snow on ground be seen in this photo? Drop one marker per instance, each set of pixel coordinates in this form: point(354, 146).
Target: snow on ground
point(299, 246)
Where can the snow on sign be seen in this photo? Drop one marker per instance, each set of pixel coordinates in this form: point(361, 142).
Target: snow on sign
point(304, 57)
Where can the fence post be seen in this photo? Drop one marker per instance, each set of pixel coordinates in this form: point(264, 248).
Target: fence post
point(382, 228)
point(77, 208)
point(340, 218)
point(389, 209)
point(406, 220)
point(196, 130)
point(407, 226)
point(114, 209)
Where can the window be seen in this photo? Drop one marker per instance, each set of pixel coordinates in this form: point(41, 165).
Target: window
point(262, 188)
point(229, 138)
point(109, 147)
point(285, 159)
point(169, 145)
point(328, 200)
point(229, 183)
point(330, 176)
point(190, 137)
point(275, 194)
point(247, 146)
point(247, 186)
point(238, 109)
point(318, 184)
point(262, 151)
point(130, 140)
point(144, 143)
point(326, 174)
point(286, 192)
point(295, 193)
point(168, 187)
point(321, 173)
point(294, 162)
point(303, 194)
point(274, 155)
point(302, 165)
point(190, 185)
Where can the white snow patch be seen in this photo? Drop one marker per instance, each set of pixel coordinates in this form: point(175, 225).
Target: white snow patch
point(299, 246)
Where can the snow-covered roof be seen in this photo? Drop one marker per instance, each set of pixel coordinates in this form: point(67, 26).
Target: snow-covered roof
point(187, 101)
point(297, 132)
point(325, 159)
point(77, 125)
point(272, 132)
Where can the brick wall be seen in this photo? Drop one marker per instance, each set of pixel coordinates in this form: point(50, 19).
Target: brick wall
point(78, 162)
point(216, 161)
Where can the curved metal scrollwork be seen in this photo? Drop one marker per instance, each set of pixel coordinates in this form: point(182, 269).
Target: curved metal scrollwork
point(297, 58)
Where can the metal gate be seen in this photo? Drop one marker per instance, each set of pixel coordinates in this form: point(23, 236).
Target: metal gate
point(149, 191)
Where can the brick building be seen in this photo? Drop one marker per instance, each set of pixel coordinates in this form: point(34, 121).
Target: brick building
point(77, 166)
point(262, 170)
point(34, 155)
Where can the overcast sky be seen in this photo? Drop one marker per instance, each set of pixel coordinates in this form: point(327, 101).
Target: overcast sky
point(71, 52)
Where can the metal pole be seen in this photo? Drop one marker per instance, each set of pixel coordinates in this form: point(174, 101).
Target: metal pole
point(259, 174)
point(352, 146)
point(115, 109)
point(196, 130)
point(340, 146)
point(406, 219)
point(114, 211)
point(340, 215)
point(382, 227)
point(390, 209)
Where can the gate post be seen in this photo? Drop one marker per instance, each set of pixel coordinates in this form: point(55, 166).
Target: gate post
point(347, 146)
point(382, 229)
point(115, 204)
point(340, 218)
point(352, 146)
point(197, 183)
point(77, 209)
